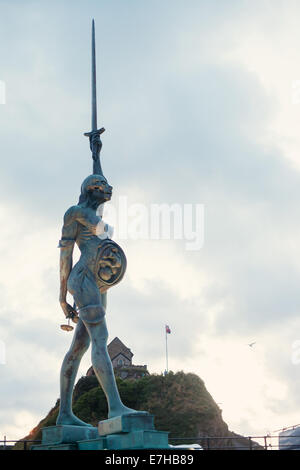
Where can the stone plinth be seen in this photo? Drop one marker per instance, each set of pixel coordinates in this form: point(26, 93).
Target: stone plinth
point(126, 423)
point(55, 447)
point(93, 444)
point(65, 434)
point(131, 431)
point(138, 440)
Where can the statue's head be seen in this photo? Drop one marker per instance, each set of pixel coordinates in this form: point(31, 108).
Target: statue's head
point(95, 190)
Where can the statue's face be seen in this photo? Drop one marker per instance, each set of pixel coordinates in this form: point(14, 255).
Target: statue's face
point(99, 188)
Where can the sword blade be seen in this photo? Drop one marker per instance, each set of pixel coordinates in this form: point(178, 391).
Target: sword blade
point(94, 86)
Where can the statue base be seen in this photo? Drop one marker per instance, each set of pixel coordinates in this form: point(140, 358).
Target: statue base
point(65, 436)
point(126, 441)
point(132, 431)
point(126, 423)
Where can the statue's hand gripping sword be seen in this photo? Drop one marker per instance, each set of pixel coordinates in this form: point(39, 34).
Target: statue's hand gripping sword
point(94, 134)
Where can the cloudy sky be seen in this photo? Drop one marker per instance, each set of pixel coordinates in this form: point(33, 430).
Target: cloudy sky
point(201, 105)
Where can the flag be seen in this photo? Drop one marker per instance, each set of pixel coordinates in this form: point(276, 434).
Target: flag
point(168, 329)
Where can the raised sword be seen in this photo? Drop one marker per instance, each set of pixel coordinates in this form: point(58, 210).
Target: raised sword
point(94, 134)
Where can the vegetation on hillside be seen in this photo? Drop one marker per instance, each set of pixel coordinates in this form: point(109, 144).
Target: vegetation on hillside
point(180, 403)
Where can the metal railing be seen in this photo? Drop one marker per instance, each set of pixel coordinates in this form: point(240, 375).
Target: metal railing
point(9, 445)
point(267, 442)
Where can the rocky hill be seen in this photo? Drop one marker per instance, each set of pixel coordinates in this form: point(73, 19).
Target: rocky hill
point(180, 403)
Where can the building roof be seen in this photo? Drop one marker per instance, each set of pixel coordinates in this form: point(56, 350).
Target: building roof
point(116, 347)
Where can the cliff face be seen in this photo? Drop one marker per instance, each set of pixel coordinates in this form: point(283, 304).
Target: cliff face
point(180, 403)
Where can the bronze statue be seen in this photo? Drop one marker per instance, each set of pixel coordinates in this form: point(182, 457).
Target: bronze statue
point(102, 264)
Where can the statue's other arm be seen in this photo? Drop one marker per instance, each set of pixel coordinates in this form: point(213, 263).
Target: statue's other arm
point(66, 245)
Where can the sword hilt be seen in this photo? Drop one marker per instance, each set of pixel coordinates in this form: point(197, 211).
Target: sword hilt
point(96, 132)
point(95, 146)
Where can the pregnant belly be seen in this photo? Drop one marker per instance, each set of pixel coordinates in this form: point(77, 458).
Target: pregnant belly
point(110, 265)
point(98, 269)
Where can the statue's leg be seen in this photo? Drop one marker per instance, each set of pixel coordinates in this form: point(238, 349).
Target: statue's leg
point(102, 365)
point(91, 305)
point(69, 369)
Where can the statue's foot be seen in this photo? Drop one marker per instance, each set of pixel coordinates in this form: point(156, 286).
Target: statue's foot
point(70, 420)
point(123, 410)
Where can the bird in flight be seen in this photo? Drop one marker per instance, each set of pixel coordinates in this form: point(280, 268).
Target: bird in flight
point(252, 344)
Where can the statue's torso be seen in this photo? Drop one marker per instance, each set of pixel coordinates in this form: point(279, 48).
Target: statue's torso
point(104, 258)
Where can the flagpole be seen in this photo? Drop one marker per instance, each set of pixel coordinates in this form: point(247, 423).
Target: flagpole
point(167, 365)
